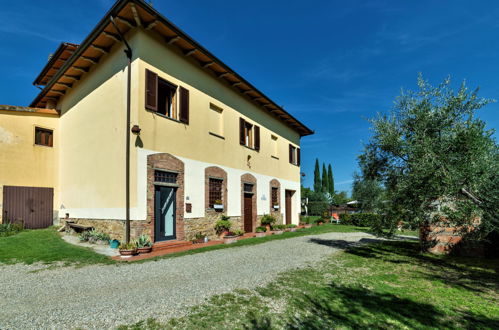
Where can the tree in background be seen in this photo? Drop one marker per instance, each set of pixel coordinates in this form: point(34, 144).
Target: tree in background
point(330, 180)
point(317, 177)
point(432, 153)
point(324, 179)
point(341, 198)
point(370, 193)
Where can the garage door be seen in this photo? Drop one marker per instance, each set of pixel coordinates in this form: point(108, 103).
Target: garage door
point(32, 205)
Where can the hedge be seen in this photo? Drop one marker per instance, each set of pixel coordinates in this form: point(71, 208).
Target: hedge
point(361, 219)
point(317, 208)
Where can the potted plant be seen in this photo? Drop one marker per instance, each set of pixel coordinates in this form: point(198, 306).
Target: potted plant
point(278, 229)
point(144, 244)
point(260, 231)
point(128, 249)
point(232, 236)
point(199, 238)
point(267, 221)
point(102, 238)
point(222, 226)
point(291, 227)
point(218, 205)
point(319, 221)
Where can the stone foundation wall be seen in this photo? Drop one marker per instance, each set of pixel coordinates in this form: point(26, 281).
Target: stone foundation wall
point(440, 239)
point(115, 228)
point(206, 225)
point(278, 216)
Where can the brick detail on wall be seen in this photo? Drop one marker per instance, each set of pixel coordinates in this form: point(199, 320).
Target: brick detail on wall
point(218, 173)
point(274, 183)
point(248, 178)
point(165, 162)
point(442, 238)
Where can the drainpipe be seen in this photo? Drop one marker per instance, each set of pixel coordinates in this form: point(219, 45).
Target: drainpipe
point(128, 53)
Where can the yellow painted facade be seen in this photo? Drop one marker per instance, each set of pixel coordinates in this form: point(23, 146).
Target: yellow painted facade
point(22, 162)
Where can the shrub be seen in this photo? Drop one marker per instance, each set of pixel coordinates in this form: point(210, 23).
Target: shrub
point(267, 219)
point(85, 236)
point(317, 208)
point(261, 229)
point(128, 246)
point(308, 219)
point(144, 241)
point(279, 227)
point(291, 226)
point(222, 225)
point(93, 235)
point(9, 229)
point(362, 219)
point(237, 232)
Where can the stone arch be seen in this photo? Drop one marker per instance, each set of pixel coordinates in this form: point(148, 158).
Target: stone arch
point(218, 173)
point(169, 163)
point(248, 178)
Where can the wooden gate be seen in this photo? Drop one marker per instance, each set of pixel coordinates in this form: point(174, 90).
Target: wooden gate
point(32, 205)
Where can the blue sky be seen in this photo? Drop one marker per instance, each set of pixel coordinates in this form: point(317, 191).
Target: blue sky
point(332, 64)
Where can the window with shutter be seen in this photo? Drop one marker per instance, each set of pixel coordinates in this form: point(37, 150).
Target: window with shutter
point(151, 90)
point(298, 156)
point(43, 137)
point(257, 138)
point(184, 105)
point(293, 155)
point(242, 134)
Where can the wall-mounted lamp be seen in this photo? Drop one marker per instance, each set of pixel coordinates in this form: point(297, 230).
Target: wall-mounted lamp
point(136, 129)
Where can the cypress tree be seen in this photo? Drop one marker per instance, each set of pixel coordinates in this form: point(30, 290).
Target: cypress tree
point(330, 180)
point(324, 179)
point(317, 177)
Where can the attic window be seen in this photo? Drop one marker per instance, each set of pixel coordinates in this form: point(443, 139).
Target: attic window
point(44, 137)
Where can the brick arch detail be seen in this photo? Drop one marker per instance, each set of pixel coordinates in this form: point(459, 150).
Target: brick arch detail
point(249, 178)
point(166, 162)
point(219, 173)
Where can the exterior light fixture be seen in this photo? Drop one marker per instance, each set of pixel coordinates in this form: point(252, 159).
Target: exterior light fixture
point(136, 129)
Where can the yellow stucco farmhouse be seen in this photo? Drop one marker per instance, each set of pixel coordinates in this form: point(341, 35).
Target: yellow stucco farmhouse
point(203, 140)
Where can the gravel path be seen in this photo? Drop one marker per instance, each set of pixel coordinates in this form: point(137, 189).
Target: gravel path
point(108, 296)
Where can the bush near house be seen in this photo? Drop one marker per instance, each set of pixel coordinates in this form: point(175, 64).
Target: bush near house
point(317, 208)
point(9, 229)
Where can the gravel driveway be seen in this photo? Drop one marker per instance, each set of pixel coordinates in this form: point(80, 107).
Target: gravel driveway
point(106, 296)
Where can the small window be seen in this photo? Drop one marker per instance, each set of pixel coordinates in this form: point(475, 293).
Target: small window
point(274, 146)
point(165, 177)
point(294, 155)
point(216, 120)
point(215, 192)
point(248, 188)
point(44, 137)
point(275, 198)
point(167, 104)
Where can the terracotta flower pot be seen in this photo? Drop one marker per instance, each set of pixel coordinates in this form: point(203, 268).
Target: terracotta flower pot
point(262, 234)
point(128, 252)
point(268, 227)
point(223, 234)
point(278, 232)
point(230, 239)
point(145, 249)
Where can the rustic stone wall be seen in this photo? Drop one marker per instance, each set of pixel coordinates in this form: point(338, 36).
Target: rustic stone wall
point(443, 238)
point(115, 228)
point(274, 183)
point(206, 225)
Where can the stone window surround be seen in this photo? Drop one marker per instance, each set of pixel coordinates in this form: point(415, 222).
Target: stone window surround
point(248, 178)
point(165, 162)
point(216, 173)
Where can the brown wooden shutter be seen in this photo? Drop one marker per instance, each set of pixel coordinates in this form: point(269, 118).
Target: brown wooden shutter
point(298, 156)
point(151, 90)
point(184, 105)
point(291, 154)
point(257, 137)
point(242, 138)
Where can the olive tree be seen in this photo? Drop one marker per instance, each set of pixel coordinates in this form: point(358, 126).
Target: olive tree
point(432, 151)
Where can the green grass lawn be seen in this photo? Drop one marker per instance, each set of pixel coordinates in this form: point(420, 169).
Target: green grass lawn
point(45, 246)
point(381, 285)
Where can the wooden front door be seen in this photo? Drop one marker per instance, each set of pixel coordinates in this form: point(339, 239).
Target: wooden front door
point(289, 209)
point(31, 206)
point(248, 213)
point(165, 199)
